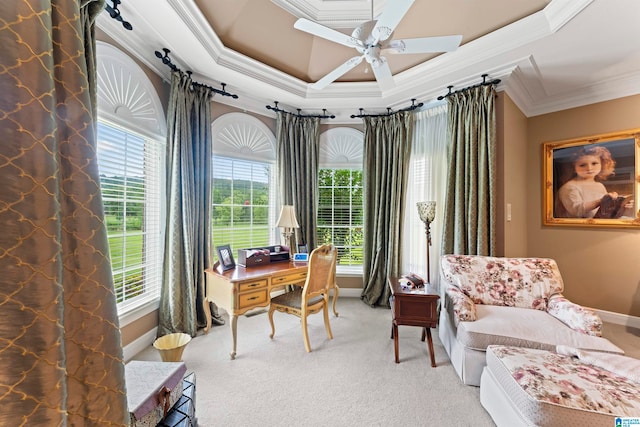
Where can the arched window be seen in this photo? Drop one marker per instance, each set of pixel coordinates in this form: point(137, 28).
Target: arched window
point(340, 200)
point(244, 154)
point(131, 159)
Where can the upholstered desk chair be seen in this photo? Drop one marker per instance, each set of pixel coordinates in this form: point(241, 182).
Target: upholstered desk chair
point(313, 296)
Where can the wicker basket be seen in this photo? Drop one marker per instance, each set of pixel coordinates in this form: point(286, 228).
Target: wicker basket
point(171, 346)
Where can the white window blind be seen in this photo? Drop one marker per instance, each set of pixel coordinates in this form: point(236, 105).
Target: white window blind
point(131, 178)
point(340, 213)
point(242, 203)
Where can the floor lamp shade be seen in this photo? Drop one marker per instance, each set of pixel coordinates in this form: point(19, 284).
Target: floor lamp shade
point(427, 212)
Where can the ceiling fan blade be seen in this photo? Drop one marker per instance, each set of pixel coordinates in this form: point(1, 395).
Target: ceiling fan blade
point(424, 45)
point(333, 75)
point(388, 21)
point(316, 29)
point(383, 74)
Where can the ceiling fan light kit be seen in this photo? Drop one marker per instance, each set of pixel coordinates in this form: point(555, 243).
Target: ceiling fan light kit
point(372, 38)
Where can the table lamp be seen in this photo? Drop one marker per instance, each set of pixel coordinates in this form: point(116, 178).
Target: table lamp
point(427, 212)
point(287, 222)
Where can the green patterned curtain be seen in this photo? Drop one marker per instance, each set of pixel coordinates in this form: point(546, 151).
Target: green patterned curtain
point(188, 227)
point(470, 209)
point(298, 140)
point(60, 345)
point(387, 148)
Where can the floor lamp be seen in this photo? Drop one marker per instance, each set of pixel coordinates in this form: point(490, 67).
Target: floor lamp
point(287, 222)
point(427, 212)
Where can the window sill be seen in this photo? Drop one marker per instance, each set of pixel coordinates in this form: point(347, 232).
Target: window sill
point(349, 271)
point(136, 313)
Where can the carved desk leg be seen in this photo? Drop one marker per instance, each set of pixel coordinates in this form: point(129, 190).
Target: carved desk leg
point(207, 313)
point(234, 334)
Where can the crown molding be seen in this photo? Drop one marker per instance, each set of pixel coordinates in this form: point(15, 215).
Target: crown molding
point(333, 14)
point(501, 54)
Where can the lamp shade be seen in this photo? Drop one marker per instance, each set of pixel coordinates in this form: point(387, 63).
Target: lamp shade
point(287, 217)
point(427, 211)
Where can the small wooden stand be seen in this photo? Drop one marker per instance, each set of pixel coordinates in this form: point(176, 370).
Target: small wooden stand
point(413, 308)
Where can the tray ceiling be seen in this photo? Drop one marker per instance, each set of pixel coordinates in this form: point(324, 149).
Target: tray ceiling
point(550, 55)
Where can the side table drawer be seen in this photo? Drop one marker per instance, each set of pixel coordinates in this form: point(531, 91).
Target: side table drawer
point(251, 299)
point(248, 286)
point(289, 278)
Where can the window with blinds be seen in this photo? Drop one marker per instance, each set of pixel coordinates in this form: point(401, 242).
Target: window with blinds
point(131, 179)
point(241, 202)
point(340, 213)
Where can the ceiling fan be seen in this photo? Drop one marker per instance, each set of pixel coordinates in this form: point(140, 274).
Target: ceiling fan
point(372, 38)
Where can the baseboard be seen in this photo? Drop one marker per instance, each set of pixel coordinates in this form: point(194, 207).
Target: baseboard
point(619, 319)
point(350, 293)
point(139, 344)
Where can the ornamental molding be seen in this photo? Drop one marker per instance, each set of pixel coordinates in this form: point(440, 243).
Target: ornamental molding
point(241, 135)
point(341, 147)
point(126, 96)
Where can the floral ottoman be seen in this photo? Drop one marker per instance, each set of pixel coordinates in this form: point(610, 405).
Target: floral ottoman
point(569, 387)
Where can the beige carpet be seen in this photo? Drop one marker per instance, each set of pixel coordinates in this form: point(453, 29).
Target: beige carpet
point(351, 380)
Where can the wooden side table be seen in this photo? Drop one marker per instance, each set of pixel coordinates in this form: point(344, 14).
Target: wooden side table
point(413, 308)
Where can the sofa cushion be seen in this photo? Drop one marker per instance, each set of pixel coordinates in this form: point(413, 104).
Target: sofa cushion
point(575, 316)
point(523, 327)
point(512, 282)
point(460, 305)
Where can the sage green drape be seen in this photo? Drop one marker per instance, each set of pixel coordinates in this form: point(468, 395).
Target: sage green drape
point(470, 210)
point(298, 140)
point(387, 148)
point(60, 344)
point(188, 222)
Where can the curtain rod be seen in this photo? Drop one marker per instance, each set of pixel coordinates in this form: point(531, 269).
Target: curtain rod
point(324, 114)
point(167, 61)
point(483, 83)
point(114, 12)
point(389, 112)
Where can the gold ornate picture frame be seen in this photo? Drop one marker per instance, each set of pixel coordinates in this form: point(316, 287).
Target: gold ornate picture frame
point(592, 181)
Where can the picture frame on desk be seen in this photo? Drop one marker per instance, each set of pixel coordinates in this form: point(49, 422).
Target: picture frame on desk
point(225, 257)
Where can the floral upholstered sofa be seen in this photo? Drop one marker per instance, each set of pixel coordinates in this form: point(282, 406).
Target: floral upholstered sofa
point(511, 302)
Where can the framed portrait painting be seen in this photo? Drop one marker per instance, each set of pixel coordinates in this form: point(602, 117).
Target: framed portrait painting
point(225, 257)
point(593, 181)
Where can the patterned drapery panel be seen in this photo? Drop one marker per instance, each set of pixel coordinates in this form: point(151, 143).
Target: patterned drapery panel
point(470, 209)
point(188, 228)
point(60, 345)
point(298, 141)
point(387, 148)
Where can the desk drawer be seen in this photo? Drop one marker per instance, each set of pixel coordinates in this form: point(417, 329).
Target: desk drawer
point(248, 286)
point(289, 278)
point(251, 299)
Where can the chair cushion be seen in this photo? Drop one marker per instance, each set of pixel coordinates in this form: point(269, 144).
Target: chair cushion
point(293, 299)
point(511, 282)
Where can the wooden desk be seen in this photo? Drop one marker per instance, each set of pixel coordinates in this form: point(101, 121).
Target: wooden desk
point(413, 308)
point(242, 289)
